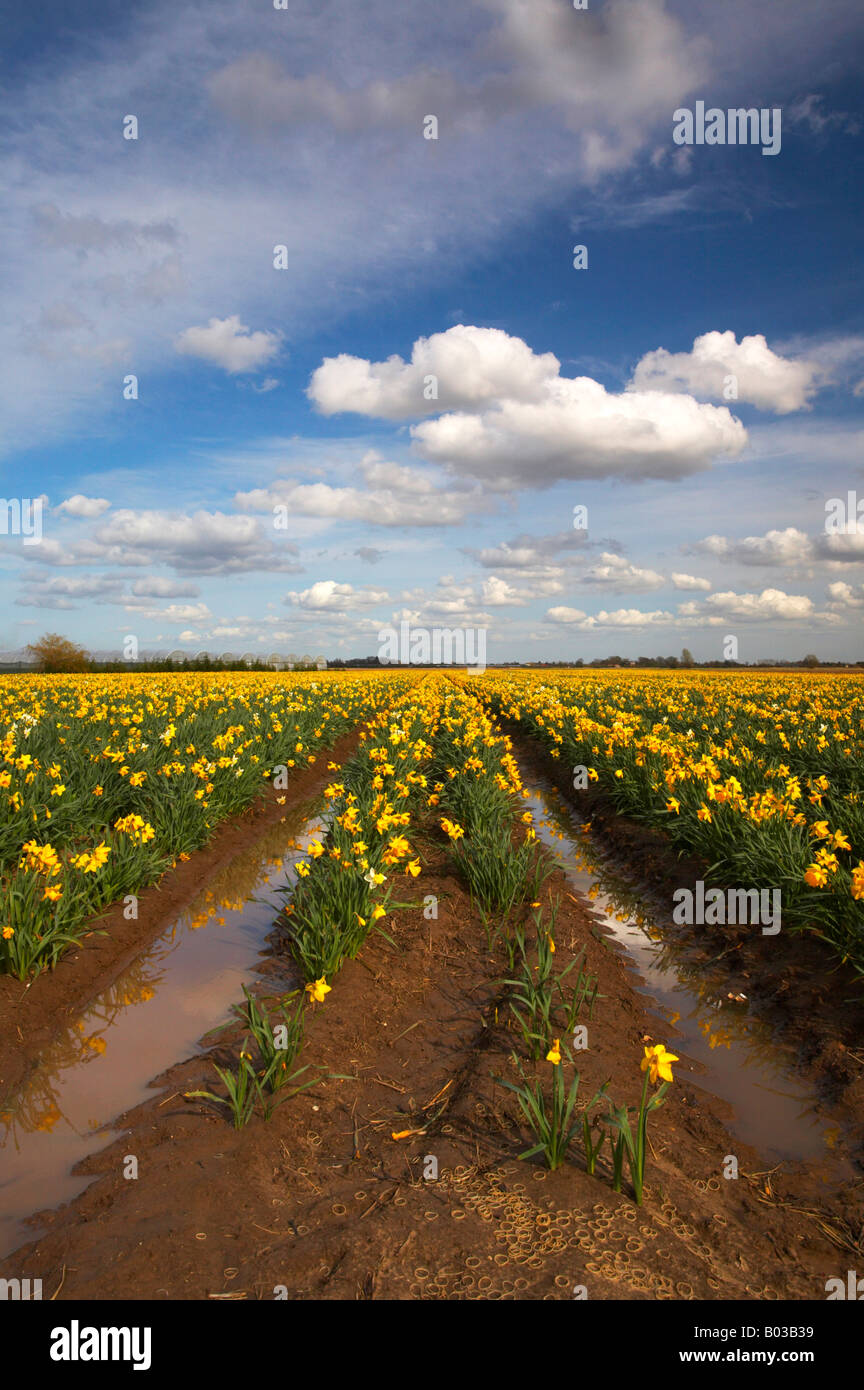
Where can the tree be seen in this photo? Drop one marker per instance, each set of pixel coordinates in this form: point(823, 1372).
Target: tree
point(687, 657)
point(53, 653)
point(810, 660)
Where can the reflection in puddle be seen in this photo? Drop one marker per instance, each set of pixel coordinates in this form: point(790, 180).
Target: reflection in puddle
point(776, 1113)
point(152, 1016)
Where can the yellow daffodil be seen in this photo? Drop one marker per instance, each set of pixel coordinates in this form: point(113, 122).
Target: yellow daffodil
point(658, 1062)
point(318, 990)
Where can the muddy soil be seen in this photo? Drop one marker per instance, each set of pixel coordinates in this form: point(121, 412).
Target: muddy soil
point(336, 1197)
point(33, 1014)
point(794, 982)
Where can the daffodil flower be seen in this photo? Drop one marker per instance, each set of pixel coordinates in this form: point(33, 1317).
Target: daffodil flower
point(658, 1062)
point(318, 990)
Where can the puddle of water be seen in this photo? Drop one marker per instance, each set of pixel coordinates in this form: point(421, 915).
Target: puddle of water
point(738, 1061)
point(152, 1016)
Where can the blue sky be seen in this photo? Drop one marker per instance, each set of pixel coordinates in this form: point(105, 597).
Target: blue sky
point(699, 387)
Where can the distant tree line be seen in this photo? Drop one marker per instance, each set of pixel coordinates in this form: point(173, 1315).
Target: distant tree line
point(55, 654)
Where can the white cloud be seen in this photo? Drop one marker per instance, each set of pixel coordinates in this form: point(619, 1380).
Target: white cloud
point(619, 575)
point(175, 613)
point(689, 581)
point(458, 600)
point(787, 547)
point(842, 547)
point(535, 556)
point(327, 595)
point(844, 596)
point(395, 496)
point(581, 430)
point(618, 618)
point(563, 614)
point(537, 102)
point(470, 367)
point(203, 542)
point(514, 420)
point(771, 604)
point(499, 593)
point(762, 377)
point(81, 506)
point(229, 344)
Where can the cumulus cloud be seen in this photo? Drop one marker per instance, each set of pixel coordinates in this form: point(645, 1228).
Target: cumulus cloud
point(617, 618)
point(564, 614)
point(786, 547)
point(329, 596)
point(844, 596)
point(176, 613)
point(499, 593)
point(395, 496)
point(466, 367)
point(547, 559)
point(616, 573)
point(842, 547)
point(761, 376)
point(512, 419)
point(457, 600)
point(589, 91)
point(466, 596)
point(228, 344)
point(80, 506)
point(689, 581)
point(771, 604)
point(581, 430)
point(201, 542)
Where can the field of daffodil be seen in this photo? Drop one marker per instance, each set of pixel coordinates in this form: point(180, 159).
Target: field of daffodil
point(434, 750)
point(760, 775)
point(106, 780)
point(435, 762)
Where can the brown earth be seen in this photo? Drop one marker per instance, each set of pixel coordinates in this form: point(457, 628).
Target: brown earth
point(325, 1202)
point(794, 982)
point(33, 1014)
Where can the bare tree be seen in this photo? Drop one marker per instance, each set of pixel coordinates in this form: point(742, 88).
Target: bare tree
point(53, 653)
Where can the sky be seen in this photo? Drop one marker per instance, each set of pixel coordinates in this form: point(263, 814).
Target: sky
point(298, 343)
